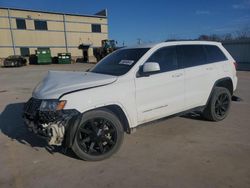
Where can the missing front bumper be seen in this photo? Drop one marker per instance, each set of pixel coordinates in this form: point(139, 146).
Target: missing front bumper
point(50, 126)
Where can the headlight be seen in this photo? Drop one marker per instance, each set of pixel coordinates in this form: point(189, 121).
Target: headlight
point(52, 105)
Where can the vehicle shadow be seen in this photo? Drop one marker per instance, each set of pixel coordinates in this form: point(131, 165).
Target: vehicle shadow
point(197, 115)
point(12, 125)
point(194, 116)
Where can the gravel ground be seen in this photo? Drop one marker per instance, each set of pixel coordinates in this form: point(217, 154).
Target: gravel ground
point(178, 153)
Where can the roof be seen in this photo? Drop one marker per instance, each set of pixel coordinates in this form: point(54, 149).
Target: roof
point(100, 14)
point(151, 45)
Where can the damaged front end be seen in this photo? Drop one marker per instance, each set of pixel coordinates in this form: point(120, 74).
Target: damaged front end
point(48, 119)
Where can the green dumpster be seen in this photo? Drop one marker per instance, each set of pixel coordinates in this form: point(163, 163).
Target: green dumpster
point(43, 56)
point(64, 58)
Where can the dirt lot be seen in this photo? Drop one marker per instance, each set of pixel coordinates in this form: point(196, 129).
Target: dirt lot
point(178, 153)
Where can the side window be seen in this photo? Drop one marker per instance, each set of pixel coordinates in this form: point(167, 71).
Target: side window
point(96, 28)
point(214, 54)
point(25, 51)
point(191, 55)
point(20, 23)
point(40, 25)
point(166, 57)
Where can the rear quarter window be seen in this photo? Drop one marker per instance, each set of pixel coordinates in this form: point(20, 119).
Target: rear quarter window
point(214, 54)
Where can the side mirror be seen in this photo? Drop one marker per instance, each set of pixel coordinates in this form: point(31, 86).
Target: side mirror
point(151, 67)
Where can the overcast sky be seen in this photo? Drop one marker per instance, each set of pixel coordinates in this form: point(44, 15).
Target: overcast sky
point(154, 20)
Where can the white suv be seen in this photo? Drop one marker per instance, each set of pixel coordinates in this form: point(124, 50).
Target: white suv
point(90, 111)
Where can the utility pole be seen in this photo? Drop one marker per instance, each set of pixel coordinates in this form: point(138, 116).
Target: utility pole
point(139, 41)
point(11, 33)
point(65, 34)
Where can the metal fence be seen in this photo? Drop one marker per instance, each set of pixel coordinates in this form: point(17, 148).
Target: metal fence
point(240, 50)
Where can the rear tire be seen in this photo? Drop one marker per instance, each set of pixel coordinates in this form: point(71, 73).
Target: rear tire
point(99, 135)
point(219, 104)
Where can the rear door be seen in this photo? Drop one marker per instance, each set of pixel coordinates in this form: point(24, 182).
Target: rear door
point(160, 94)
point(217, 57)
point(199, 74)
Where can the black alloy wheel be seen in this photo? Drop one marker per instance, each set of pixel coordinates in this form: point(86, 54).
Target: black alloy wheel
point(222, 104)
point(219, 104)
point(96, 136)
point(99, 135)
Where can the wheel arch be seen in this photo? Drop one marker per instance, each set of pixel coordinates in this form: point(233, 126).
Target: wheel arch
point(73, 124)
point(223, 82)
point(226, 83)
point(119, 112)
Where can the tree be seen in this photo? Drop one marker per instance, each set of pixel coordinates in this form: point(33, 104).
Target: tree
point(227, 37)
point(244, 33)
point(213, 37)
point(203, 37)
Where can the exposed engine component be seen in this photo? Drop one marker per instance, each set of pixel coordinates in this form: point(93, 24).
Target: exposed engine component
point(48, 124)
point(56, 133)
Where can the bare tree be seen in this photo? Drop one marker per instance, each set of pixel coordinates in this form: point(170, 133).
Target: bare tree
point(213, 37)
point(227, 37)
point(244, 33)
point(203, 37)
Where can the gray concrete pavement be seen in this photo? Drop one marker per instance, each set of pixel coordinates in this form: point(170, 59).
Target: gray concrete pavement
point(182, 152)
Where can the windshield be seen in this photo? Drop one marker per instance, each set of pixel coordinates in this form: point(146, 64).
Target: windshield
point(119, 62)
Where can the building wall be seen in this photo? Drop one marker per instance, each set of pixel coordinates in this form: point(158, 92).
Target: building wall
point(76, 29)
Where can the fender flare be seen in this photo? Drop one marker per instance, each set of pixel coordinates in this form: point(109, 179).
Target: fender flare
point(216, 84)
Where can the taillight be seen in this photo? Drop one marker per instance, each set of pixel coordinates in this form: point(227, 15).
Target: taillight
point(235, 65)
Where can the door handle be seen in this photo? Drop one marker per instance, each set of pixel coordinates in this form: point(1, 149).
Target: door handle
point(209, 68)
point(177, 75)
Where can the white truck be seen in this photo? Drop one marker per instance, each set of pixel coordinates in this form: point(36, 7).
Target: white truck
point(90, 111)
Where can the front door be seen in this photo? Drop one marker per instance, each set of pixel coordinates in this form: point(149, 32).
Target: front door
point(160, 94)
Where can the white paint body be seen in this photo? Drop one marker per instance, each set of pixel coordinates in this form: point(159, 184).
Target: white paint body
point(142, 99)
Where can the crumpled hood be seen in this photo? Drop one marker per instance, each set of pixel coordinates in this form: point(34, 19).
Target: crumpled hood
point(57, 83)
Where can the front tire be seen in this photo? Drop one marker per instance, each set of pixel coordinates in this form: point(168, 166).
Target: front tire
point(99, 135)
point(219, 104)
